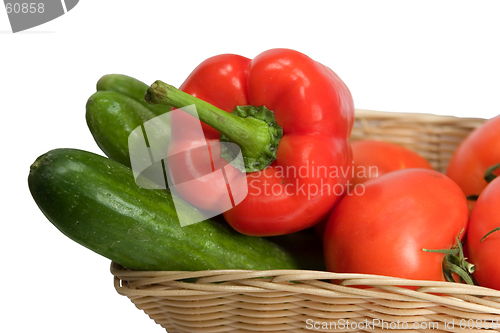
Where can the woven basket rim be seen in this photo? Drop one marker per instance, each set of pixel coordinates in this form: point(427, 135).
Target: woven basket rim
point(287, 275)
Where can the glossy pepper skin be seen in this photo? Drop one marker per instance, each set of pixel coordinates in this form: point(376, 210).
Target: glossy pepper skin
point(316, 112)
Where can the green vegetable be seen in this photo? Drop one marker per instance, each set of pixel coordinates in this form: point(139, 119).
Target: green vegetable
point(129, 87)
point(115, 110)
point(111, 117)
point(94, 201)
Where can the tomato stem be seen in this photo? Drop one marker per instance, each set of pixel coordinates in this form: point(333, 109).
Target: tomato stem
point(460, 247)
point(489, 174)
point(473, 197)
point(449, 266)
point(489, 233)
point(454, 261)
point(453, 251)
point(462, 263)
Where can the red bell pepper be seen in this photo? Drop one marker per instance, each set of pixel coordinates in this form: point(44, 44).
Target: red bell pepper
point(294, 180)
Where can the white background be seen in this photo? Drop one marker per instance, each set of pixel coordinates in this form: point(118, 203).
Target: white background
point(437, 57)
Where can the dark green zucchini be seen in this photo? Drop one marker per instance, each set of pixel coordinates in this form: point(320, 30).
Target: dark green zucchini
point(94, 201)
point(129, 87)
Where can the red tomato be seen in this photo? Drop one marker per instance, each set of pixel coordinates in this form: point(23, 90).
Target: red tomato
point(485, 217)
point(373, 159)
point(383, 230)
point(479, 151)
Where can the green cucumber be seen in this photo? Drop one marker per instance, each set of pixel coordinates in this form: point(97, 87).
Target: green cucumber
point(129, 87)
point(94, 201)
point(115, 110)
point(111, 117)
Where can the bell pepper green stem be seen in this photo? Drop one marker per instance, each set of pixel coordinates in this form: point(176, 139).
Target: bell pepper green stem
point(257, 138)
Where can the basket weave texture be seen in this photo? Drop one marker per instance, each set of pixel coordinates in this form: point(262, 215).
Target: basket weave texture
point(304, 301)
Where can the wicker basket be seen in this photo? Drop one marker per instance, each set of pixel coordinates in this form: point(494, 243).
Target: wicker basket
point(304, 301)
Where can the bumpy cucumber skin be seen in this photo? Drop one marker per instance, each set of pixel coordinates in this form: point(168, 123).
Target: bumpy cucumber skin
point(129, 87)
point(111, 117)
point(94, 201)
